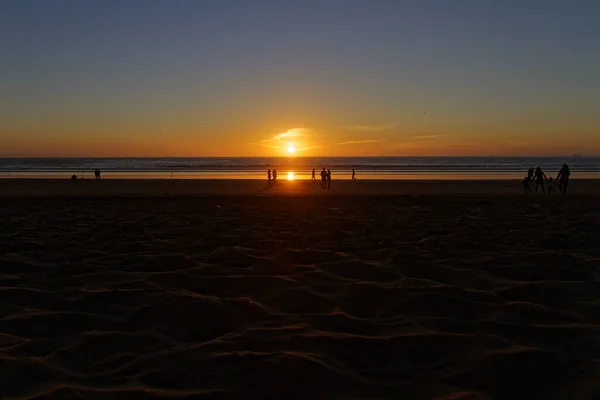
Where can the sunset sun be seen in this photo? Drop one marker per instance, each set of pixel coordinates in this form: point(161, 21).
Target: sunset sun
point(291, 149)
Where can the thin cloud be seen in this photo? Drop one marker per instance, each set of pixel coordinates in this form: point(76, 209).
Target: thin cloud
point(290, 137)
point(423, 140)
point(371, 128)
point(359, 142)
point(292, 133)
point(296, 132)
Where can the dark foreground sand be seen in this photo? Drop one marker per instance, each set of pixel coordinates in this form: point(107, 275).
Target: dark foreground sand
point(458, 296)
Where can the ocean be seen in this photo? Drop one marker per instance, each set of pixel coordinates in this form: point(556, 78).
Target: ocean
point(298, 167)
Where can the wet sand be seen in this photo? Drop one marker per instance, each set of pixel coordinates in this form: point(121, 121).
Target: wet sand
point(179, 289)
point(245, 187)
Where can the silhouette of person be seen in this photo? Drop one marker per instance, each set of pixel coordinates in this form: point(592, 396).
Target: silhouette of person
point(323, 179)
point(526, 188)
point(328, 179)
point(99, 174)
point(540, 177)
point(313, 179)
point(96, 173)
point(353, 174)
point(530, 174)
point(563, 178)
point(274, 175)
point(269, 176)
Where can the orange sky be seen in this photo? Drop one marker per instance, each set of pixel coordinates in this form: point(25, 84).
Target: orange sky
point(420, 135)
point(391, 78)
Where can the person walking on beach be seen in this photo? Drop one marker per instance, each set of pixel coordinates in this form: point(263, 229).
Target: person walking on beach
point(540, 177)
point(274, 175)
point(96, 173)
point(313, 179)
point(353, 174)
point(328, 179)
point(563, 178)
point(99, 174)
point(269, 176)
point(323, 179)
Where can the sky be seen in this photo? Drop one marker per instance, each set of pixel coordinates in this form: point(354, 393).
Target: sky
point(319, 77)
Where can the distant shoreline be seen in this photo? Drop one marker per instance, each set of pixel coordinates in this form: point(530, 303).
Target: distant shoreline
point(298, 168)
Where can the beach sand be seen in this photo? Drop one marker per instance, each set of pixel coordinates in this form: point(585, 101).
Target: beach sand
point(27, 188)
point(231, 289)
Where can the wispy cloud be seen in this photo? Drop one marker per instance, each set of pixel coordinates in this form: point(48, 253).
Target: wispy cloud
point(371, 128)
point(423, 140)
point(292, 133)
point(359, 142)
point(291, 137)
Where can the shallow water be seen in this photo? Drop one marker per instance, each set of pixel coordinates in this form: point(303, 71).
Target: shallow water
point(293, 168)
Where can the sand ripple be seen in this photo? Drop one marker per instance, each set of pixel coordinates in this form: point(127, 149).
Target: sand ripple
point(460, 297)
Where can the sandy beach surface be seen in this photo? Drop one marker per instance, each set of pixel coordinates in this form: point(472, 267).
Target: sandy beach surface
point(23, 188)
point(231, 289)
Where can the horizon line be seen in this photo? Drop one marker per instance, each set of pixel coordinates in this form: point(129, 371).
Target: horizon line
point(300, 157)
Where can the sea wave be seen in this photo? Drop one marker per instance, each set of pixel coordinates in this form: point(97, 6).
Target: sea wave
point(379, 164)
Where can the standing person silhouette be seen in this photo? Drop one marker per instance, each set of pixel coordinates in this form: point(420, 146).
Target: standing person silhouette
point(328, 179)
point(313, 179)
point(530, 174)
point(274, 175)
point(540, 177)
point(269, 176)
point(323, 179)
point(99, 174)
point(563, 178)
point(353, 174)
point(96, 173)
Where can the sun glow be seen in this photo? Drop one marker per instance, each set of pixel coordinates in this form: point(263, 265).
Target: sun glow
point(291, 176)
point(291, 149)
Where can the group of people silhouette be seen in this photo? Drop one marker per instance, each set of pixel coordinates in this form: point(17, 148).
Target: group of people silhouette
point(272, 177)
point(98, 173)
point(540, 179)
point(325, 177)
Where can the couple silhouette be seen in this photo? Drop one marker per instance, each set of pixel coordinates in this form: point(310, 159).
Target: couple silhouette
point(325, 179)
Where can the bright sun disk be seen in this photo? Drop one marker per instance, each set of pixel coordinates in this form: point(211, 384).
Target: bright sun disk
point(291, 149)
